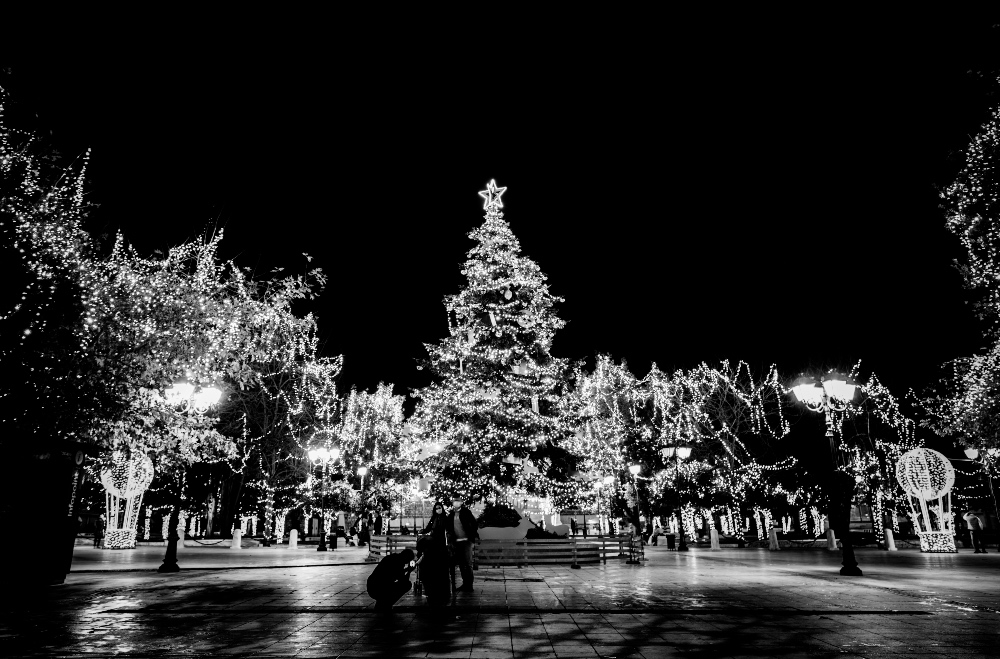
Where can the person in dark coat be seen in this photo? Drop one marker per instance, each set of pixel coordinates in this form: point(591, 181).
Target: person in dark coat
point(463, 531)
point(435, 560)
point(390, 579)
point(99, 531)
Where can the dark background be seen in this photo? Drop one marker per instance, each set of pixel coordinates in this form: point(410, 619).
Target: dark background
point(698, 196)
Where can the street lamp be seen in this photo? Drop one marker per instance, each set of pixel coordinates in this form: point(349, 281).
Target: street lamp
point(679, 454)
point(323, 457)
point(834, 393)
point(634, 470)
point(362, 472)
point(189, 399)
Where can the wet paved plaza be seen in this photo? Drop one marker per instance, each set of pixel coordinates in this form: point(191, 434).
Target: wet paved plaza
point(730, 603)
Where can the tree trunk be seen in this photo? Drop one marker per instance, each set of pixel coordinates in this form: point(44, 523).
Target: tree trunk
point(229, 504)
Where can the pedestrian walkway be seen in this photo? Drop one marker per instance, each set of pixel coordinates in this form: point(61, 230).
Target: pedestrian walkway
point(208, 557)
point(729, 603)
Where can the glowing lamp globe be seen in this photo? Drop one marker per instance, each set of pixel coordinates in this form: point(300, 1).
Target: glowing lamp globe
point(972, 453)
point(634, 469)
point(925, 474)
point(362, 471)
point(840, 387)
point(179, 392)
point(806, 391)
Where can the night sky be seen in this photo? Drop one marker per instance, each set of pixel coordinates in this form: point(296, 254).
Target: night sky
point(752, 199)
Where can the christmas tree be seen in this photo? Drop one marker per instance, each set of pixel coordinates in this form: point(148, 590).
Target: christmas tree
point(494, 409)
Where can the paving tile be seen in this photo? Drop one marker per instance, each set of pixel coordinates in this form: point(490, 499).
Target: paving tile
point(703, 604)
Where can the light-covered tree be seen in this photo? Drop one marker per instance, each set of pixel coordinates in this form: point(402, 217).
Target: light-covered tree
point(965, 403)
point(494, 405)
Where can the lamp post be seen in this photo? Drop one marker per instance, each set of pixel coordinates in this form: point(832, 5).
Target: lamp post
point(634, 470)
point(833, 393)
point(323, 457)
point(362, 472)
point(679, 454)
point(189, 399)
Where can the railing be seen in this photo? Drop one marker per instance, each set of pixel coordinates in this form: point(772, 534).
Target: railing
point(380, 546)
point(570, 551)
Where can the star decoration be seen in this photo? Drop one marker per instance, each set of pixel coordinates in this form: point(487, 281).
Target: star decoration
point(492, 194)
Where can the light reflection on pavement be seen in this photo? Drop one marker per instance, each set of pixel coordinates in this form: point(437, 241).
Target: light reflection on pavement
point(738, 602)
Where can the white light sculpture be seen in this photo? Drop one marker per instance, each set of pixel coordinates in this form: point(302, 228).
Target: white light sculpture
point(124, 484)
point(926, 475)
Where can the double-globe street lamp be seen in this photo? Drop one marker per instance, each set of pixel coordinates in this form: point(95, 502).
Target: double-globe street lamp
point(323, 457)
point(189, 399)
point(679, 454)
point(833, 393)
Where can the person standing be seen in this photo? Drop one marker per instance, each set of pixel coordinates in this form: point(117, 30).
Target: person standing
point(99, 531)
point(434, 560)
point(463, 531)
point(975, 524)
point(572, 525)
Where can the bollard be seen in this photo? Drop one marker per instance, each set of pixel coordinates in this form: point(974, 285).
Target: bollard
point(293, 539)
point(831, 540)
point(714, 535)
point(237, 539)
point(890, 542)
point(772, 539)
point(575, 565)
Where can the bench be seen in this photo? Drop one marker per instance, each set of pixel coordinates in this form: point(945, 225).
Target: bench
point(519, 552)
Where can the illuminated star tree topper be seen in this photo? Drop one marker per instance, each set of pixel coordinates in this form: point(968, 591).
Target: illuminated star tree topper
point(492, 195)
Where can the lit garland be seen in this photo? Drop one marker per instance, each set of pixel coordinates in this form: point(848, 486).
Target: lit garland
point(687, 521)
point(818, 522)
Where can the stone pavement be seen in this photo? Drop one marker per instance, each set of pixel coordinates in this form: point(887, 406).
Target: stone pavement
point(729, 603)
point(207, 557)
